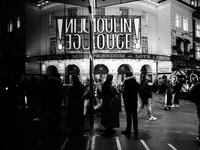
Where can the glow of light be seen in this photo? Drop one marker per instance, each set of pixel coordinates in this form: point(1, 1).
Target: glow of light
point(137, 45)
point(60, 24)
point(60, 46)
point(137, 21)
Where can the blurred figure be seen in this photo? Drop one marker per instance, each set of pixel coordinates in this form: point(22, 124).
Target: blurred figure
point(43, 92)
point(110, 113)
point(145, 95)
point(75, 117)
point(176, 92)
point(194, 96)
point(130, 96)
point(55, 96)
point(168, 95)
point(97, 107)
point(160, 82)
point(86, 97)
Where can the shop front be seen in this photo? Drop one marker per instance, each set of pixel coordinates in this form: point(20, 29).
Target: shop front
point(104, 63)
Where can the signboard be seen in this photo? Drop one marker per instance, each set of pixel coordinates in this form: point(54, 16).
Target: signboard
point(164, 67)
point(110, 33)
point(99, 56)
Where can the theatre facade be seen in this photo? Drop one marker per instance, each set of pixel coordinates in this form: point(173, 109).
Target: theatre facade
point(124, 38)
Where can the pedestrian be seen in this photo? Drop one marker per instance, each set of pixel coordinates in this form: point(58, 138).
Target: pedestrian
point(194, 96)
point(160, 82)
point(86, 97)
point(54, 97)
point(110, 113)
point(130, 96)
point(168, 95)
point(146, 95)
point(97, 107)
point(75, 117)
point(43, 92)
point(176, 93)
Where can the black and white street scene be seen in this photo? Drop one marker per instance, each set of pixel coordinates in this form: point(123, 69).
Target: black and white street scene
point(100, 74)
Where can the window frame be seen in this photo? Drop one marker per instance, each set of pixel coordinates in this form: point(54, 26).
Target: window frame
point(197, 51)
point(185, 23)
point(18, 22)
point(52, 45)
point(178, 20)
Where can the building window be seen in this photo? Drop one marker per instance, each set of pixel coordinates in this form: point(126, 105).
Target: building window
point(18, 22)
point(10, 26)
point(197, 30)
point(124, 11)
point(100, 11)
point(178, 21)
point(194, 3)
point(72, 11)
point(185, 23)
point(197, 51)
point(146, 17)
point(144, 44)
point(51, 19)
point(52, 45)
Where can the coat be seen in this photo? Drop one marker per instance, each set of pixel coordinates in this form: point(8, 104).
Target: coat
point(110, 112)
point(144, 90)
point(130, 93)
point(75, 117)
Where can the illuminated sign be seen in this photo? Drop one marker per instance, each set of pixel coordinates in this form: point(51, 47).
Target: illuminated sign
point(110, 33)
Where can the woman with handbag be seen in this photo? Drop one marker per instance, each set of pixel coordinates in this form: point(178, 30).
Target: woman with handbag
point(110, 113)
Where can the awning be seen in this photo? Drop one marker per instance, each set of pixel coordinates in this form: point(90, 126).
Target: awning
point(181, 62)
point(187, 41)
point(180, 39)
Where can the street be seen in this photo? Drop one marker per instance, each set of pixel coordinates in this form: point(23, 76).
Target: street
point(173, 130)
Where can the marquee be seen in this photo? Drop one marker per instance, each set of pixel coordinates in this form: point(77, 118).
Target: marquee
point(110, 33)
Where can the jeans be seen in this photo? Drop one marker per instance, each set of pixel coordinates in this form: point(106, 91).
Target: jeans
point(148, 105)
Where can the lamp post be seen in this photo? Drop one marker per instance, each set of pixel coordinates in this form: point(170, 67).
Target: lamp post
point(91, 18)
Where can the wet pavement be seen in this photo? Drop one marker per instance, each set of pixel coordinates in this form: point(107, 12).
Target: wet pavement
point(173, 130)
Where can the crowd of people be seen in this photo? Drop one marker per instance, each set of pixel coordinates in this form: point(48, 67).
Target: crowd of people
point(49, 92)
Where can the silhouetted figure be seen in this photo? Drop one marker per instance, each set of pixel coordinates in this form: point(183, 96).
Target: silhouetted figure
point(130, 96)
point(55, 96)
point(110, 113)
point(43, 92)
point(194, 96)
point(168, 95)
point(75, 117)
point(177, 89)
point(146, 95)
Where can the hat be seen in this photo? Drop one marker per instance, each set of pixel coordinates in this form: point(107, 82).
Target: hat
point(129, 74)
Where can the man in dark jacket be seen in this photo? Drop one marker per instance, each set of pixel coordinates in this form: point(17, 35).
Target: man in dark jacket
point(194, 96)
point(130, 96)
point(55, 95)
point(145, 95)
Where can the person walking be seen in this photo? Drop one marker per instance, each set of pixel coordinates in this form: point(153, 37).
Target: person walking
point(130, 96)
point(194, 96)
point(110, 113)
point(177, 89)
point(75, 117)
point(168, 95)
point(145, 95)
point(55, 96)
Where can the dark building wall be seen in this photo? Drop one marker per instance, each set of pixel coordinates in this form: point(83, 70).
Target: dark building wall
point(33, 30)
point(13, 45)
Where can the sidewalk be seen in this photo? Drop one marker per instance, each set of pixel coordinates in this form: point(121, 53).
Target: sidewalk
point(18, 130)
